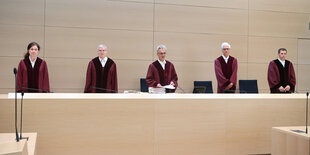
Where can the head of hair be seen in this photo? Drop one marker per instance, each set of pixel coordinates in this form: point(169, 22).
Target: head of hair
point(225, 44)
point(29, 46)
point(281, 49)
point(102, 46)
point(161, 47)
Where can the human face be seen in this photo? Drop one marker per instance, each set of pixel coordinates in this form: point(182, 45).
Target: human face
point(282, 55)
point(161, 53)
point(33, 52)
point(226, 51)
point(102, 52)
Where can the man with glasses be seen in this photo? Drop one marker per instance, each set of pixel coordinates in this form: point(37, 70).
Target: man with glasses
point(226, 68)
point(101, 76)
point(161, 72)
point(281, 74)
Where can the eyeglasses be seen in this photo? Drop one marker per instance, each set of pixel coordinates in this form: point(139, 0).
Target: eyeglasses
point(225, 49)
point(162, 53)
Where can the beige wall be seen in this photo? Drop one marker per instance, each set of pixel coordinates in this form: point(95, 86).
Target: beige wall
point(70, 30)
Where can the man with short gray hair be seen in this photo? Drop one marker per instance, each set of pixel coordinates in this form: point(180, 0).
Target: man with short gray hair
point(161, 72)
point(101, 76)
point(226, 68)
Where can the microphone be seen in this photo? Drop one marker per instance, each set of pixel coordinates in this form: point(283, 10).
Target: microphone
point(21, 117)
point(35, 89)
point(16, 131)
point(98, 88)
point(307, 113)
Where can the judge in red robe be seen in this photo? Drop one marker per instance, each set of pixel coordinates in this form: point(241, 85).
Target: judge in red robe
point(226, 68)
point(281, 74)
point(32, 74)
point(161, 72)
point(101, 76)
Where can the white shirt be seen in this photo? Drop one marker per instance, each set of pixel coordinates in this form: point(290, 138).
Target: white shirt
point(33, 62)
point(282, 62)
point(103, 61)
point(226, 59)
point(162, 63)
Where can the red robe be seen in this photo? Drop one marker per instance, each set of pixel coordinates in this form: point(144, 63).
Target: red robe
point(32, 78)
point(101, 79)
point(156, 74)
point(281, 76)
point(226, 74)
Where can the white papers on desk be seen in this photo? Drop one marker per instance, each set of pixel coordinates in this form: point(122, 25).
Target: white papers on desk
point(169, 87)
point(161, 90)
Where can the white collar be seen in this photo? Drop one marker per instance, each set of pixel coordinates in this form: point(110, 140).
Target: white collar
point(225, 58)
point(282, 62)
point(104, 59)
point(162, 63)
point(33, 62)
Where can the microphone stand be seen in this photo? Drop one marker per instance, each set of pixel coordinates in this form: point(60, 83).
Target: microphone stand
point(21, 118)
point(16, 131)
point(307, 113)
point(35, 89)
point(103, 89)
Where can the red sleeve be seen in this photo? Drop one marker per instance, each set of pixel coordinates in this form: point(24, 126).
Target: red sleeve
point(46, 83)
point(87, 88)
point(174, 76)
point(221, 79)
point(20, 76)
point(113, 75)
point(273, 76)
point(150, 79)
point(233, 78)
point(292, 76)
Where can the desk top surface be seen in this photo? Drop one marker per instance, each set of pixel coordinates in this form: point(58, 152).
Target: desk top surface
point(150, 96)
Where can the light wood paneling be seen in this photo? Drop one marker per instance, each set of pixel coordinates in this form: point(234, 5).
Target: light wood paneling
point(6, 75)
point(67, 73)
point(129, 73)
point(30, 12)
point(241, 4)
point(99, 14)
point(154, 124)
point(83, 43)
point(188, 72)
point(303, 51)
point(279, 24)
point(246, 124)
point(301, 6)
point(259, 72)
point(200, 47)
point(200, 20)
point(91, 128)
point(15, 39)
point(182, 127)
point(143, 1)
point(265, 49)
point(302, 79)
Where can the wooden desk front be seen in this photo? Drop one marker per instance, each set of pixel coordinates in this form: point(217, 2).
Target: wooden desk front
point(154, 124)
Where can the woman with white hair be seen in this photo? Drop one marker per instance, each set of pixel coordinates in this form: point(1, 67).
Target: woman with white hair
point(161, 72)
point(226, 68)
point(101, 76)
